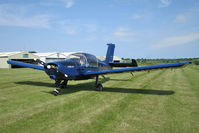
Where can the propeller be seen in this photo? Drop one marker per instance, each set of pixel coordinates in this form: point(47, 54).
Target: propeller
point(40, 62)
point(43, 63)
point(51, 67)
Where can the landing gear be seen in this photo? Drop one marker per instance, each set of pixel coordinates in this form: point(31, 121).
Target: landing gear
point(57, 83)
point(61, 84)
point(64, 84)
point(98, 86)
point(56, 92)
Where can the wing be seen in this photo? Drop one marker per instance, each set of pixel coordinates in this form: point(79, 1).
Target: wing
point(131, 69)
point(18, 63)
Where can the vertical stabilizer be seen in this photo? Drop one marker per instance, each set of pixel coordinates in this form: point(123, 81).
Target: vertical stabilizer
point(110, 53)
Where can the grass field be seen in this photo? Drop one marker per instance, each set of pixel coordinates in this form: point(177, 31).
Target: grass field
point(156, 101)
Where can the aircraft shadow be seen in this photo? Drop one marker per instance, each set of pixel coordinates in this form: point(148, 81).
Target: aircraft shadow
point(140, 91)
point(120, 80)
point(90, 87)
point(35, 83)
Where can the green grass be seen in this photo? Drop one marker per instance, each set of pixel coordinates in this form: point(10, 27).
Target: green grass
point(156, 101)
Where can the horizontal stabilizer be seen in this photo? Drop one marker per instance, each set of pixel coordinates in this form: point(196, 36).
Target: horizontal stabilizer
point(18, 63)
point(124, 64)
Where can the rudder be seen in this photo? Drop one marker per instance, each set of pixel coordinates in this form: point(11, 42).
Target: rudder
point(110, 53)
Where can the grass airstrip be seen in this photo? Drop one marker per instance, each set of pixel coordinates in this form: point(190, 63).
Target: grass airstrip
point(156, 101)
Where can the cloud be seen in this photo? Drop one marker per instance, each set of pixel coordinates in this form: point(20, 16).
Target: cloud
point(177, 40)
point(73, 27)
point(14, 16)
point(39, 21)
point(71, 30)
point(189, 16)
point(91, 38)
point(59, 3)
point(136, 16)
point(123, 32)
point(69, 3)
point(47, 4)
point(181, 18)
point(164, 3)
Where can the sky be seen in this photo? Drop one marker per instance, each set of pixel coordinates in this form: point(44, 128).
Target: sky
point(138, 28)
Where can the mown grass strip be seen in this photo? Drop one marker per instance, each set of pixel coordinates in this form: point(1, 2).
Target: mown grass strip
point(143, 103)
point(179, 107)
point(55, 104)
point(99, 122)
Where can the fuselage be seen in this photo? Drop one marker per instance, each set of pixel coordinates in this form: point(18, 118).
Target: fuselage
point(73, 67)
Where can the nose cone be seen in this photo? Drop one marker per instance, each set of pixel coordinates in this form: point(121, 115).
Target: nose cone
point(57, 70)
point(48, 67)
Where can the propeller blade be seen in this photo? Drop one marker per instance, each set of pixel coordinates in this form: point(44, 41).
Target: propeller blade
point(40, 62)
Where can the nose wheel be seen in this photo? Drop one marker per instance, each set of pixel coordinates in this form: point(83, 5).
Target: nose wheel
point(57, 83)
point(56, 92)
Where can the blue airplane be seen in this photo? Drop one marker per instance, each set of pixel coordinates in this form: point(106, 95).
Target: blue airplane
point(81, 66)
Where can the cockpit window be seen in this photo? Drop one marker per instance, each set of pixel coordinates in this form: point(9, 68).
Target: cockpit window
point(92, 60)
point(83, 59)
point(79, 58)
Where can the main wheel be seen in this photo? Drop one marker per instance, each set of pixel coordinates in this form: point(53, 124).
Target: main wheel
point(99, 87)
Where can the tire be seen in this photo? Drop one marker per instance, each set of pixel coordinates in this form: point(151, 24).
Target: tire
point(99, 87)
point(55, 93)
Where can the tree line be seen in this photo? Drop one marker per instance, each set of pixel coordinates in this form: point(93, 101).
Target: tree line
point(143, 61)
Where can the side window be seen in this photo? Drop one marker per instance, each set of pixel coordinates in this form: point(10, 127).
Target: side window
point(92, 60)
point(25, 55)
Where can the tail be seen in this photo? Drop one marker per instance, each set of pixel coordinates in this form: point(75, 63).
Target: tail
point(110, 53)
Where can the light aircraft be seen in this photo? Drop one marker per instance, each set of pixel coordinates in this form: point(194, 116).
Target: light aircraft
point(81, 66)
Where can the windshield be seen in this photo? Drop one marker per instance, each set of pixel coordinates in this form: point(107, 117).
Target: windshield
point(83, 59)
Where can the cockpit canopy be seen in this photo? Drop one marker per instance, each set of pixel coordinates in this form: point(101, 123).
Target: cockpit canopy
point(81, 59)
